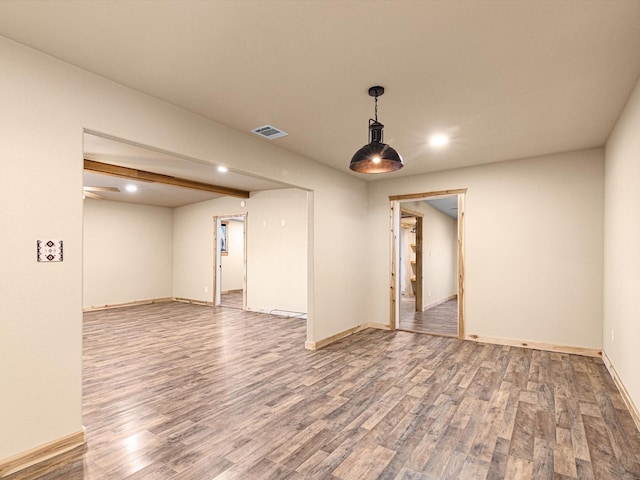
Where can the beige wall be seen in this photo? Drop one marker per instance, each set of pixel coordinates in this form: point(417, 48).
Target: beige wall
point(276, 254)
point(533, 246)
point(277, 251)
point(233, 262)
point(127, 252)
point(622, 247)
point(439, 258)
point(193, 248)
point(46, 105)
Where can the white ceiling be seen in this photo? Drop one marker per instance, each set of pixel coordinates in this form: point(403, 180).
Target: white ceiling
point(447, 205)
point(505, 79)
point(115, 152)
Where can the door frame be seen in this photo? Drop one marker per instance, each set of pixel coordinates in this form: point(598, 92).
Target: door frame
point(395, 214)
point(217, 257)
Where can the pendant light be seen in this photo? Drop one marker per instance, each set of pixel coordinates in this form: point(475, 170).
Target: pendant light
point(376, 157)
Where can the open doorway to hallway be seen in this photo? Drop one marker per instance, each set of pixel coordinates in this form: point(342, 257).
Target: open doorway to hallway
point(230, 271)
point(427, 290)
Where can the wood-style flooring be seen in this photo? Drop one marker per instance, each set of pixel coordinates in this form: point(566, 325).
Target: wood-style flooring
point(232, 298)
point(439, 320)
point(179, 391)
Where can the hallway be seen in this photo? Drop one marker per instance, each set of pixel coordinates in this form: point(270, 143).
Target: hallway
point(439, 320)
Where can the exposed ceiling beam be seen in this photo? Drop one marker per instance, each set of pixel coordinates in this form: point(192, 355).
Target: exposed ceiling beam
point(141, 175)
point(93, 195)
point(102, 189)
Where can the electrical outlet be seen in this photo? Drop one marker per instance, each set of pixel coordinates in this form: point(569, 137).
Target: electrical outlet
point(613, 335)
point(206, 289)
point(429, 292)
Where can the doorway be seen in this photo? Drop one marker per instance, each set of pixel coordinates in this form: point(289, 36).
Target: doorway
point(410, 262)
point(427, 268)
point(230, 265)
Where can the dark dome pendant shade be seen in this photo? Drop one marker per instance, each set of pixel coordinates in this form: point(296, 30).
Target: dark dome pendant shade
point(376, 157)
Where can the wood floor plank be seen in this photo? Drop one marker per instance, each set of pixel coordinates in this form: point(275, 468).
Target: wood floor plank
point(441, 319)
point(474, 468)
point(445, 450)
point(179, 391)
point(498, 466)
point(518, 468)
point(522, 439)
point(543, 457)
point(603, 459)
point(564, 463)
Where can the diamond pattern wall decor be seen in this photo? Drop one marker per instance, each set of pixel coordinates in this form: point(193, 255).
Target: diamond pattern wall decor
point(49, 250)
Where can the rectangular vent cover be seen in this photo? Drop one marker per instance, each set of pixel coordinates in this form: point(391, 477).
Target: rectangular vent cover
point(269, 132)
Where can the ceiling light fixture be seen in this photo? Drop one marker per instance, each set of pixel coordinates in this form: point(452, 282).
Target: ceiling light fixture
point(438, 140)
point(131, 188)
point(376, 157)
point(223, 169)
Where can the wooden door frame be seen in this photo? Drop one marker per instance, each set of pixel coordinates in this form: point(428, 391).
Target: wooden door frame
point(395, 214)
point(217, 257)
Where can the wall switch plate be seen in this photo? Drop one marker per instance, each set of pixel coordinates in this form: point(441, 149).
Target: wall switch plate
point(49, 250)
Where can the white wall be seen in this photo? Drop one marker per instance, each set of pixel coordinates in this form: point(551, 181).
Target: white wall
point(276, 254)
point(46, 105)
point(622, 247)
point(127, 252)
point(277, 251)
point(533, 246)
point(233, 263)
point(439, 260)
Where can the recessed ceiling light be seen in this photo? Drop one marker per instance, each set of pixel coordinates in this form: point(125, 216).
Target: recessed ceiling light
point(438, 140)
point(223, 169)
point(131, 188)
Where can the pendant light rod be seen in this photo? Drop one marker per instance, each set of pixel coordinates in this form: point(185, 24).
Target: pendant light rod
point(375, 127)
point(376, 92)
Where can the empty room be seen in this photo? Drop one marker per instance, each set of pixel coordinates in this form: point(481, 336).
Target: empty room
point(320, 240)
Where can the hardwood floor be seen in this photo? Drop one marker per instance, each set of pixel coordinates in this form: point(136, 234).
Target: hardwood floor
point(178, 391)
point(439, 320)
point(232, 298)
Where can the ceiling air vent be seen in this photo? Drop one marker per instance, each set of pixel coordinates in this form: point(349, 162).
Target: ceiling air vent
point(269, 132)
